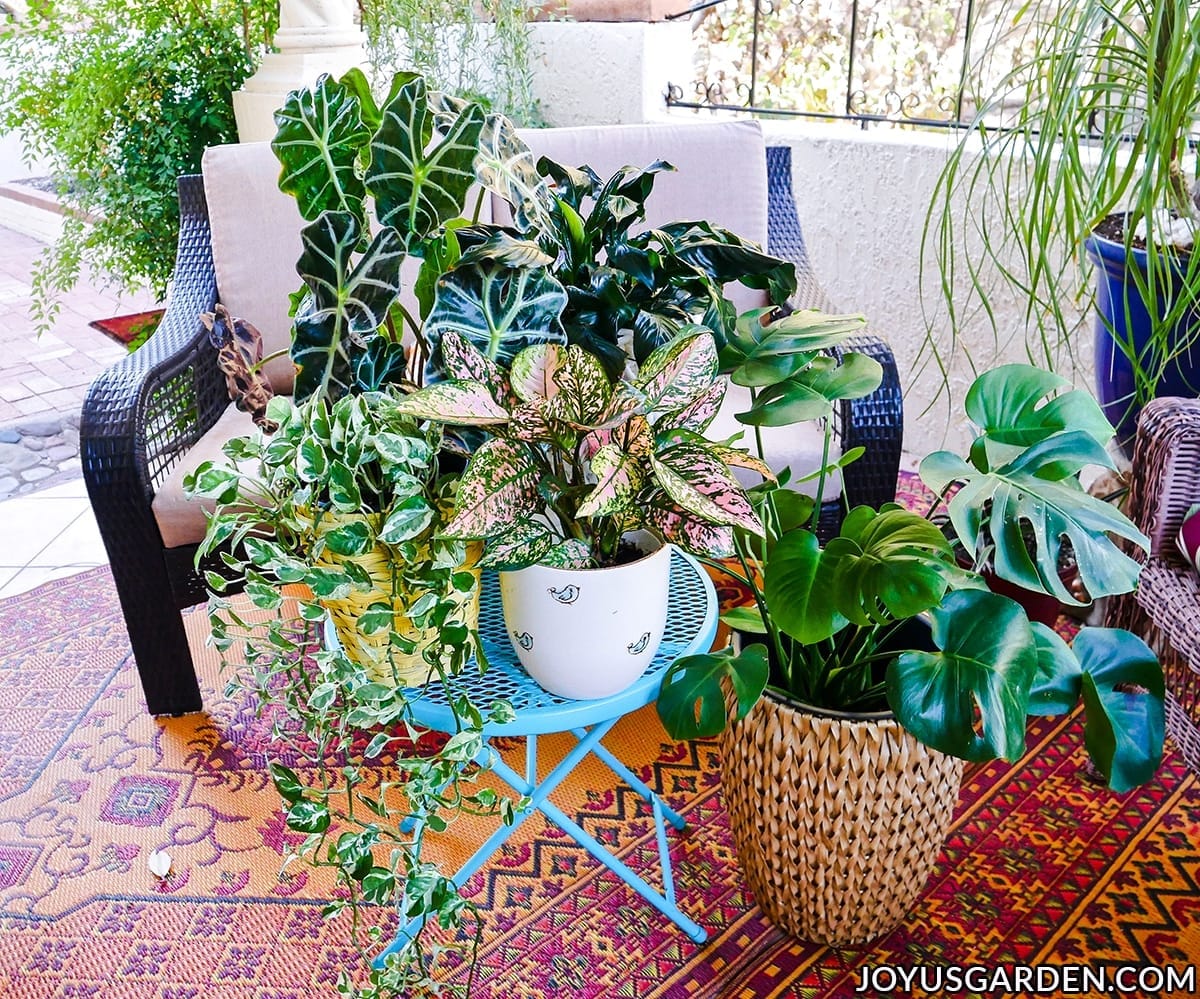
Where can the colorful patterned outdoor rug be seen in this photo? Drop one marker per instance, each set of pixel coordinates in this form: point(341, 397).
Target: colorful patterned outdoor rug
point(1041, 866)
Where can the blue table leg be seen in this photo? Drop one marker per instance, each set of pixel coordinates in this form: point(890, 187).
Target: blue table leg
point(630, 778)
point(538, 794)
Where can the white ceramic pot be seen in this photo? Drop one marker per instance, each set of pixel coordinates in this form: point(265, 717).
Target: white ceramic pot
point(587, 633)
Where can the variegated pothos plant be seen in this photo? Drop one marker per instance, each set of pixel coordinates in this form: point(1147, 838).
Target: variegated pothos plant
point(576, 459)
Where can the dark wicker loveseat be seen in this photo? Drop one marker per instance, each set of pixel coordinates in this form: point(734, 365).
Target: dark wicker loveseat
point(143, 415)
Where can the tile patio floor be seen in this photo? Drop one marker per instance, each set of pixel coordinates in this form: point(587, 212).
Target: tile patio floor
point(49, 534)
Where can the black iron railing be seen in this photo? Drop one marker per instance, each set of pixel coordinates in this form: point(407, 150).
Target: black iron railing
point(861, 95)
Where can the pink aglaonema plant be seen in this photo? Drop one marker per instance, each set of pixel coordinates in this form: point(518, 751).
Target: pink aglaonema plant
point(575, 460)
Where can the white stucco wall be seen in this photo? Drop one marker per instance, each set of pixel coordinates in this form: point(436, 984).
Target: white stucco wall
point(862, 198)
point(610, 73)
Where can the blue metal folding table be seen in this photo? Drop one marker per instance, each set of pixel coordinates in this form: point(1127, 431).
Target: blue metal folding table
point(691, 625)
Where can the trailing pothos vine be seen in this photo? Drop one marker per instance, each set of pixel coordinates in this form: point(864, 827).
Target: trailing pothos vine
point(306, 509)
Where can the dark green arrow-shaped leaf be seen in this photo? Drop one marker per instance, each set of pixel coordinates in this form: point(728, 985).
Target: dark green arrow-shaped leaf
point(346, 302)
point(418, 187)
point(320, 134)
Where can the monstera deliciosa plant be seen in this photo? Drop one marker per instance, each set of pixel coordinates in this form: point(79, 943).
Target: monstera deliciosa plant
point(831, 625)
point(568, 270)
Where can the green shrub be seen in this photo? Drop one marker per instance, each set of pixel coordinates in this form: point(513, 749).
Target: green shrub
point(120, 98)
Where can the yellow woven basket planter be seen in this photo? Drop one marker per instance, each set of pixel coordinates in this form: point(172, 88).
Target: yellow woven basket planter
point(837, 821)
point(381, 662)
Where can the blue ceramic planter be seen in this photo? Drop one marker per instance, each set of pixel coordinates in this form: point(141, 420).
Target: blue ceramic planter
point(1123, 330)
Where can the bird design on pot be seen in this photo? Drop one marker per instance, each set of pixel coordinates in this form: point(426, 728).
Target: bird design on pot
point(566, 595)
point(524, 639)
point(638, 647)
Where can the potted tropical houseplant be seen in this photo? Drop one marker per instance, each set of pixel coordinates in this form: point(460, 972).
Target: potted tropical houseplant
point(350, 470)
point(848, 718)
point(1082, 148)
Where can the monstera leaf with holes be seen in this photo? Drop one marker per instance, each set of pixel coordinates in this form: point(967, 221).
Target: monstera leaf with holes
point(346, 304)
point(1019, 495)
point(882, 617)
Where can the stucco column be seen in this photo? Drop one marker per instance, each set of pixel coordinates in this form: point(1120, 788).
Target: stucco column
point(610, 63)
point(314, 37)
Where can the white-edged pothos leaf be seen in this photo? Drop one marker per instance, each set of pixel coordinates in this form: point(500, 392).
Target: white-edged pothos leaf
point(346, 303)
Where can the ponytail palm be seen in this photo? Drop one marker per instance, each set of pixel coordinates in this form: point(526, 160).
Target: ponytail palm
point(1093, 120)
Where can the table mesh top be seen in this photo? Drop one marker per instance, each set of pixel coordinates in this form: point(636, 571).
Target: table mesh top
point(691, 624)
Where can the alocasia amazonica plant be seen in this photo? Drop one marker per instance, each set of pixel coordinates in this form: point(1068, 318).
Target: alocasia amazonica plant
point(569, 270)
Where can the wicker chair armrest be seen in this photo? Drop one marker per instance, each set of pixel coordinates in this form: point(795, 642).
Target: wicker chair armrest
point(1170, 597)
point(875, 423)
point(144, 412)
point(1166, 471)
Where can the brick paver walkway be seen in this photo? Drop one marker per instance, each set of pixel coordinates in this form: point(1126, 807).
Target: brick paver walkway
point(43, 380)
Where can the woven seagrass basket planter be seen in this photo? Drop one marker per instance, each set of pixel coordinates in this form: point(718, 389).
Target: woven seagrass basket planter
point(382, 663)
point(837, 820)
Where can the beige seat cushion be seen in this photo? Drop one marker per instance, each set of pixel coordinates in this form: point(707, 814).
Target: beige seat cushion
point(182, 521)
point(798, 447)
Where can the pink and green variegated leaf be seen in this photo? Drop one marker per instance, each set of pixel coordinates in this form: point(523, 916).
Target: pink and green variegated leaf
point(463, 361)
point(569, 554)
point(632, 436)
point(736, 457)
point(678, 372)
point(529, 424)
point(701, 411)
point(460, 403)
point(497, 490)
point(619, 477)
point(700, 482)
point(583, 390)
point(533, 369)
point(526, 544)
point(623, 403)
point(689, 532)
